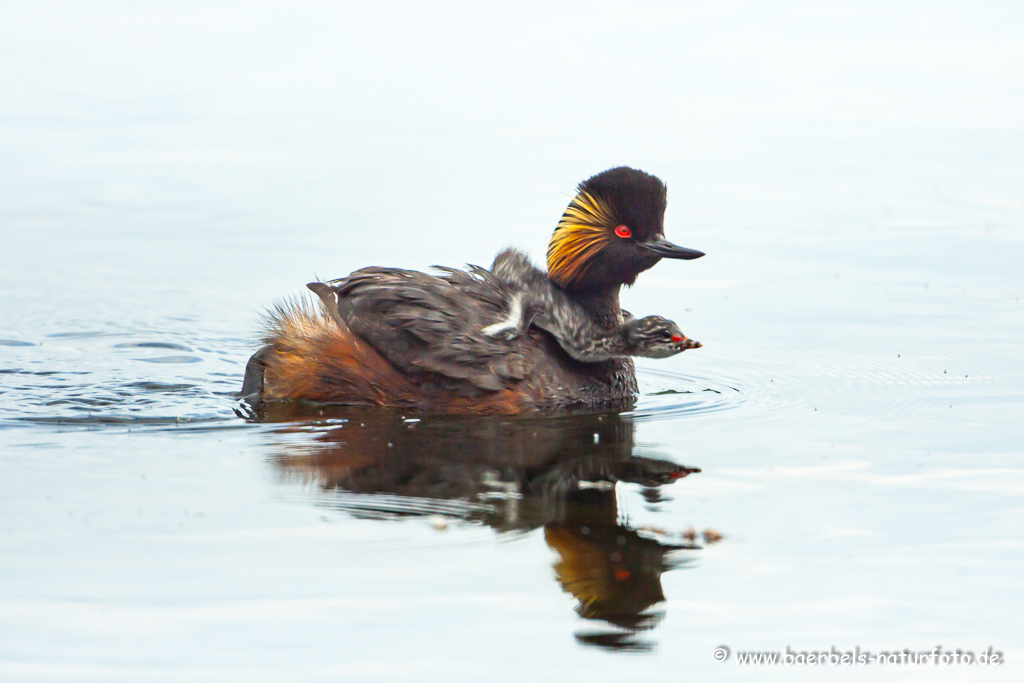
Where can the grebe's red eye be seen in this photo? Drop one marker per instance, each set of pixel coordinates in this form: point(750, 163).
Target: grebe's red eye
point(623, 232)
point(676, 338)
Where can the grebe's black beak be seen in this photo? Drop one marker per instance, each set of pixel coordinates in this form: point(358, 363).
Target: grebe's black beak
point(665, 249)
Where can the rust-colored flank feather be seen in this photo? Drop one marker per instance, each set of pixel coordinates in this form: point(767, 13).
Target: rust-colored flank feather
point(584, 230)
point(315, 359)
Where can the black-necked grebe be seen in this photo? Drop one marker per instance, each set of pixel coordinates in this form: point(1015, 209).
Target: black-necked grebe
point(394, 337)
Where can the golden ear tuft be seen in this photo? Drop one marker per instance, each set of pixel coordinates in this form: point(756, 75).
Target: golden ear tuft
point(583, 231)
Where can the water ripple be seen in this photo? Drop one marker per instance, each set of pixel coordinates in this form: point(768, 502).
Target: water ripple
point(84, 379)
point(87, 378)
point(667, 395)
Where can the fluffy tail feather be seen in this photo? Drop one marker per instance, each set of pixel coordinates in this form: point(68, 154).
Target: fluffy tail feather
point(309, 355)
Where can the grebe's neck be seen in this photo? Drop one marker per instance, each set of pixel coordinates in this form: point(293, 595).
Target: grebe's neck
point(602, 306)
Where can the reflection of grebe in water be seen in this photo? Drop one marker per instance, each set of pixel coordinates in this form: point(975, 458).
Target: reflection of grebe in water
point(399, 338)
point(556, 473)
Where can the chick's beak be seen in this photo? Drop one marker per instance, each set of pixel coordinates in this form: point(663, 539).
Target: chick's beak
point(665, 249)
point(685, 343)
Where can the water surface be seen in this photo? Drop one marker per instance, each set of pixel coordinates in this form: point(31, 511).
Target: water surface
point(840, 465)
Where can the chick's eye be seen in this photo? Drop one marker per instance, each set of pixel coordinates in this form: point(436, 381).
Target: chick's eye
point(623, 232)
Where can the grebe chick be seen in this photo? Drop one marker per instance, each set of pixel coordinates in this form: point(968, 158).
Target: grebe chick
point(538, 302)
point(398, 338)
point(648, 337)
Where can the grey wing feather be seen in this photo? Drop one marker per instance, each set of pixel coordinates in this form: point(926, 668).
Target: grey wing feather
point(431, 324)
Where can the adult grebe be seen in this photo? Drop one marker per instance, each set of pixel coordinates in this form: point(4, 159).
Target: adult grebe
point(392, 337)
